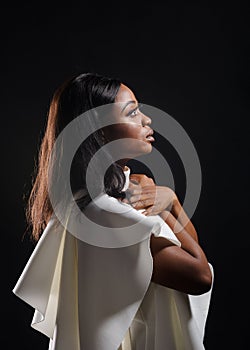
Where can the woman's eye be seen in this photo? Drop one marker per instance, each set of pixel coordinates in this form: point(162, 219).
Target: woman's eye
point(134, 111)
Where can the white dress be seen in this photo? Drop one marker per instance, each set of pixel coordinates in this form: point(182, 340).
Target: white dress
point(90, 297)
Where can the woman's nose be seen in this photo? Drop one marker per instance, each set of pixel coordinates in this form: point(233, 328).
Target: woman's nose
point(146, 120)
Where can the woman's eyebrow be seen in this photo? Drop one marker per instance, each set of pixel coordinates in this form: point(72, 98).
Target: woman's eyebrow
point(127, 103)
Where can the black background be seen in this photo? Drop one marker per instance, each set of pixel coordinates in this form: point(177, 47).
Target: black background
point(190, 60)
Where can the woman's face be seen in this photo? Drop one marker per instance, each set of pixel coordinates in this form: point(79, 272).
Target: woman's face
point(131, 123)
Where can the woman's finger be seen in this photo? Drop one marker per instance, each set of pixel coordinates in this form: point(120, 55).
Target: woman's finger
point(151, 210)
point(134, 181)
point(142, 179)
point(150, 197)
point(142, 203)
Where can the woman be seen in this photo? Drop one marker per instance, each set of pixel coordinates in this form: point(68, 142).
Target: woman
point(109, 272)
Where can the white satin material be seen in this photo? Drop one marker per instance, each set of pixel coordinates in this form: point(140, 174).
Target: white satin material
point(168, 319)
point(95, 298)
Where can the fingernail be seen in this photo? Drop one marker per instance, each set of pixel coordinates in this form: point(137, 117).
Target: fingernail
point(135, 182)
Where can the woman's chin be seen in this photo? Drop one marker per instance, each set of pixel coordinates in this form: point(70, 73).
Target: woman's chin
point(133, 152)
point(148, 147)
point(145, 150)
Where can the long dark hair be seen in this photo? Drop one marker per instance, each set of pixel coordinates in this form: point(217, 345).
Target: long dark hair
point(73, 98)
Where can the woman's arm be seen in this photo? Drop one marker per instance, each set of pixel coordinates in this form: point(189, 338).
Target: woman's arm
point(179, 214)
point(182, 268)
point(143, 193)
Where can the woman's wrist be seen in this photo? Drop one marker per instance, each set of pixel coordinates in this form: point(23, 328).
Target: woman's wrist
point(172, 222)
point(175, 205)
point(176, 210)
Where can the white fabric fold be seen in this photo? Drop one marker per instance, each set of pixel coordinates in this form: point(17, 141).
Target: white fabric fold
point(109, 223)
point(168, 319)
point(39, 282)
point(87, 296)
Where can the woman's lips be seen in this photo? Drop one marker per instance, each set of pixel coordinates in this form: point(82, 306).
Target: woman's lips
point(150, 138)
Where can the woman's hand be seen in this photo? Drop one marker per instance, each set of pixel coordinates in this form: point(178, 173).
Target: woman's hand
point(142, 193)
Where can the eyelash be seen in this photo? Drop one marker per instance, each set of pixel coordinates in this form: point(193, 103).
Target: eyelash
point(137, 109)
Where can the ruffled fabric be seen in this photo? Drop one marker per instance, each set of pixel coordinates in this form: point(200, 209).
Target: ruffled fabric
point(88, 285)
point(109, 223)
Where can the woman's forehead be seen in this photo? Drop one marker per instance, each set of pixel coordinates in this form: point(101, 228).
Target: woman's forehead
point(125, 94)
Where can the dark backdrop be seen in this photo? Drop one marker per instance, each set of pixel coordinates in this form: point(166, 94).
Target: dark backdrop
point(192, 61)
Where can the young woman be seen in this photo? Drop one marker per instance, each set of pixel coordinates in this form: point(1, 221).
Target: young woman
point(130, 273)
